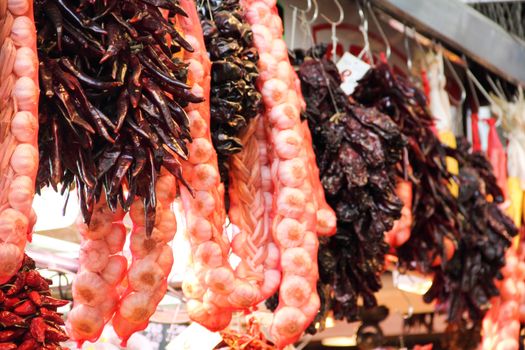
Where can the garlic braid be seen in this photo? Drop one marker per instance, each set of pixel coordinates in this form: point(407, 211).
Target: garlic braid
point(250, 212)
point(247, 201)
point(18, 132)
point(101, 270)
point(147, 276)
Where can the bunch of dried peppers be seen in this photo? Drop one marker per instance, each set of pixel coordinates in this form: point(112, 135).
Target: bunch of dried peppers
point(434, 208)
point(468, 281)
point(461, 240)
point(112, 96)
point(234, 100)
point(28, 314)
point(357, 150)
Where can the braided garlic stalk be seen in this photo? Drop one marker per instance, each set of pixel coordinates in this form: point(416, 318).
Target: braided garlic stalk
point(250, 207)
point(297, 198)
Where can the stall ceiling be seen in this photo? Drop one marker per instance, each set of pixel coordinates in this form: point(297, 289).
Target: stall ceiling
point(485, 1)
point(463, 28)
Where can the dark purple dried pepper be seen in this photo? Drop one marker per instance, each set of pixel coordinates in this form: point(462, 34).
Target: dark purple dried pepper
point(101, 65)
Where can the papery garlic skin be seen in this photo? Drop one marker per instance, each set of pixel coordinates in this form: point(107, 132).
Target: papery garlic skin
point(18, 111)
point(299, 209)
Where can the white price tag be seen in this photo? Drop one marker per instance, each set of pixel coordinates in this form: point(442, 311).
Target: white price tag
point(195, 337)
point(411, 282)
point(351, 69)
point(484, 113)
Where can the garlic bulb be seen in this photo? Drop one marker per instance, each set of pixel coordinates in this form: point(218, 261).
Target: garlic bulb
point(20, 194)
point(24, 160)
point(24, 127)
point(18, 7)
point(25, 63)
point(25, 92)
point(23, 31)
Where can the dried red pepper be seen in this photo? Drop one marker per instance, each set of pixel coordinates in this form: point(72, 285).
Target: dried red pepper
point(51, 316)
point(35, 281)
point(114, 96)
point(17, 285)
point(10, 334)
point(35, 297)
point(463, 283)
point(8, 319)
point(28, 318)
point(49, 301)
point(38, 329)
point(28, 344)
point(11, 303)
point(55, 335)
point(357, 150)
point(25, 309)
point(234, 99)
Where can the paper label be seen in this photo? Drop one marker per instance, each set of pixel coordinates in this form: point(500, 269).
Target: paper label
point(411, 282)
point(351, 69)
point(195, 337)
point(484, 114)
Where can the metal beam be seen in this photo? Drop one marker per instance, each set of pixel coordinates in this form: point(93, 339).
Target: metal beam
point(466, 30)
point(486, 1)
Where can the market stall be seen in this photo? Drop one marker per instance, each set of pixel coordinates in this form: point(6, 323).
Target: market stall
point(261, 174)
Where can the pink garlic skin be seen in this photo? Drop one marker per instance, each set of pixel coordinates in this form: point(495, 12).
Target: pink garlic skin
point(212, 300)
point(501, 324)
point(300, 211)
point(151, 265)
point(101, 269)
point(18, 109)
point(205, 213)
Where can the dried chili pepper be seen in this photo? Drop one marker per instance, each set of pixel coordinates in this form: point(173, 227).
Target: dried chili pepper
point(51, 347)
point(51, 316)
point(434, 208)
point(10, 303)
point(8, 319)
point(17, 284)
point(38, 329)
point(7, 346)
point(55, 335)
point(52, 302)
point(357, 150)
point(469, 278)
point(476, 229)
point(7, 335)
point(99, 67)
point(252, 339)
point(27, 318)
point(234, 98)
point(35, 281)
point(35, 297)
point(25, 308)
point(28, 344)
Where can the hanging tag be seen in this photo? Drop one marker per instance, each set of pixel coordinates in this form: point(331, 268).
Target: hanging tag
point(411, 282)
point(484, 114)
point(351, 69)
point(195, 337)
